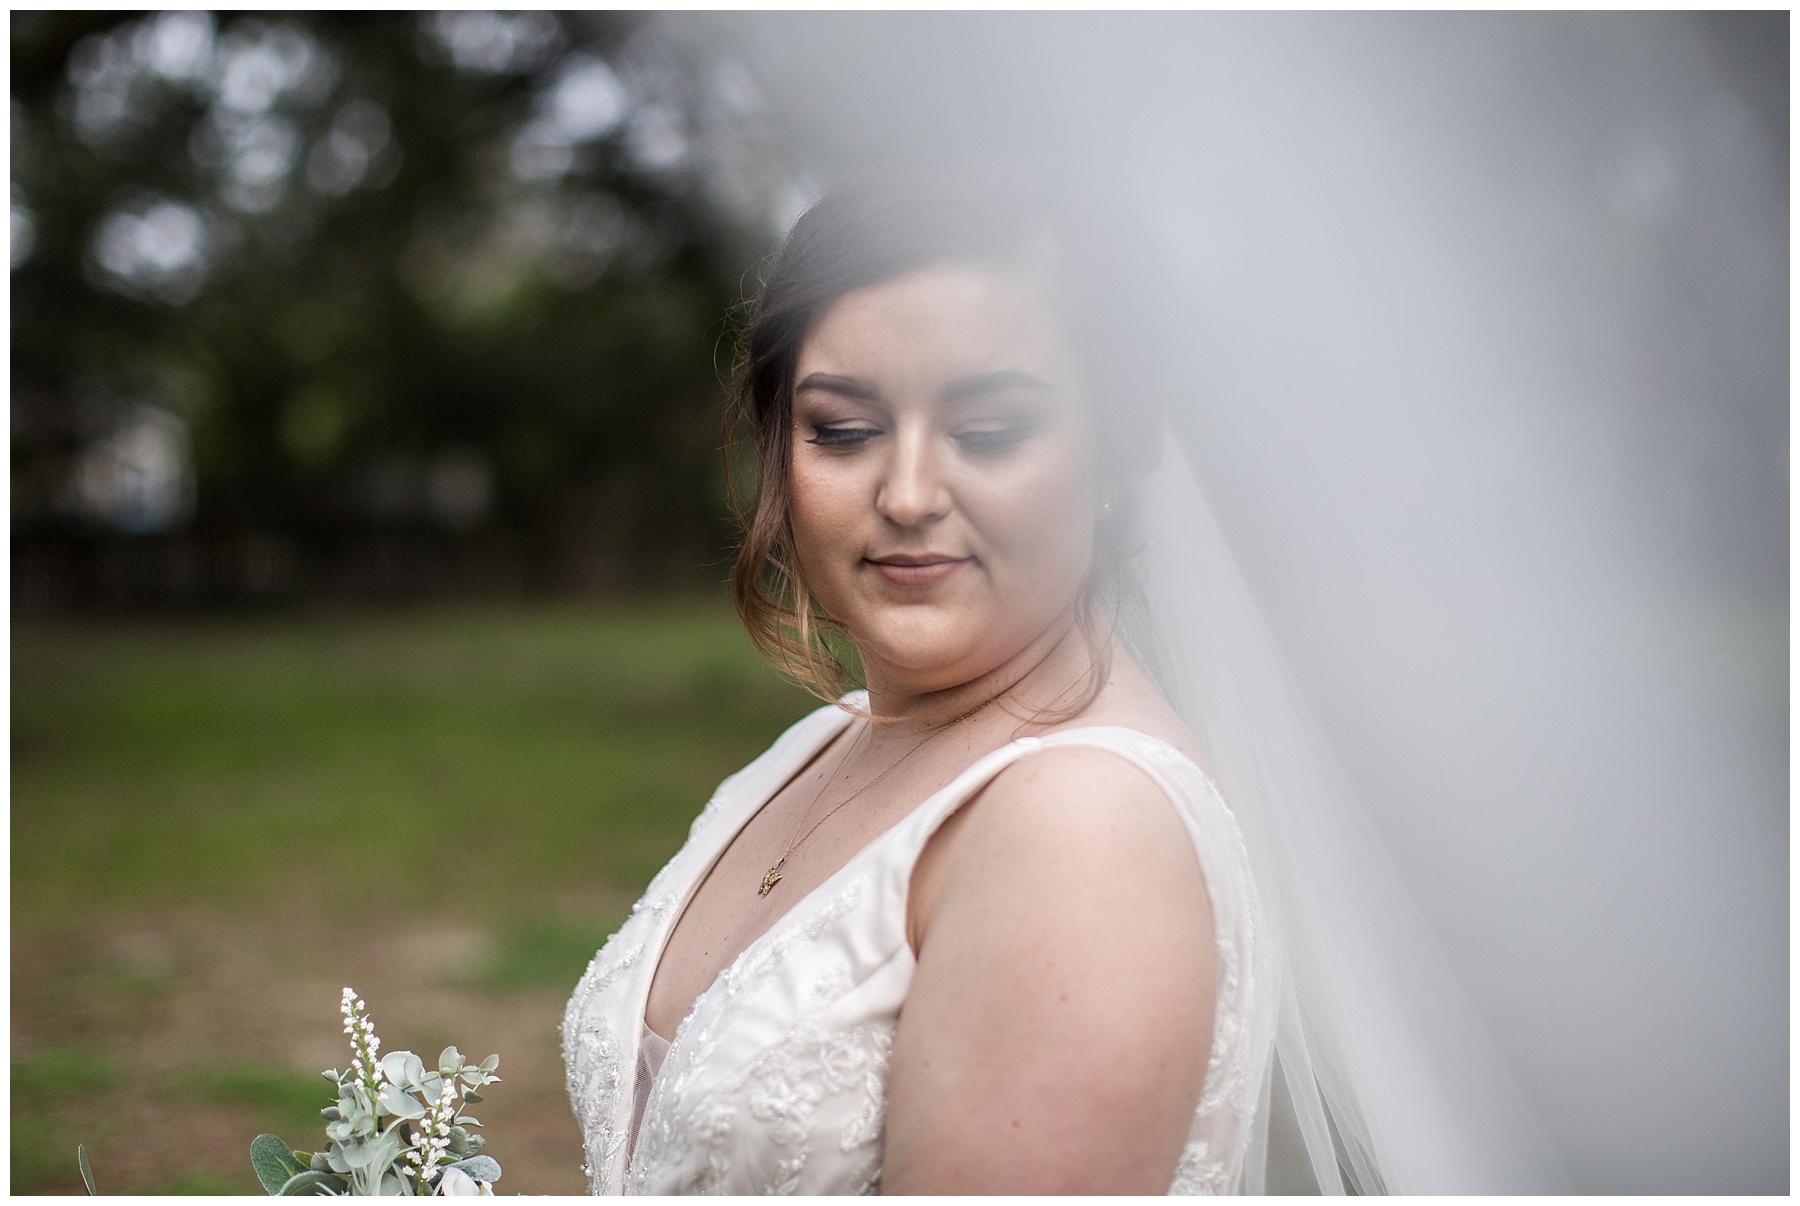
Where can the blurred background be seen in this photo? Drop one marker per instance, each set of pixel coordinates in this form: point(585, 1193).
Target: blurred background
point(367, 548)
point(370, 306)
point(369, 525)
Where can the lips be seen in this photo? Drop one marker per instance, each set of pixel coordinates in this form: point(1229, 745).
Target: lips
point(916, 570)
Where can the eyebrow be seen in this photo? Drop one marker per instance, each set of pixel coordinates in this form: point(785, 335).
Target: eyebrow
point(831, 383)
point(987, 383)
point(957, 391)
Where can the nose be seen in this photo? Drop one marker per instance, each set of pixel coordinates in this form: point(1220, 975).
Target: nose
point(912, 490)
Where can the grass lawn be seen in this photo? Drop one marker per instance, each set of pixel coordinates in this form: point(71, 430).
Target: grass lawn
point(216, 823)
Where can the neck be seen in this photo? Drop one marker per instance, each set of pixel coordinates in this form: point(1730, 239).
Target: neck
point(1036, 676)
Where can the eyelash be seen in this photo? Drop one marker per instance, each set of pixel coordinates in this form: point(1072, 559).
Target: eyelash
point(981, 443)
point(994, 442)
point(843, 437)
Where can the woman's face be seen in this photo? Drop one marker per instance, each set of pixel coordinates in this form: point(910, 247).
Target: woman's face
point(943, 498)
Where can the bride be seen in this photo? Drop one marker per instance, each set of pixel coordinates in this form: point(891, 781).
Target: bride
point(989, 925)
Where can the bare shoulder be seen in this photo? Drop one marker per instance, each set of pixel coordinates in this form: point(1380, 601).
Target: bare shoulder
point(1058, 1026)
point(1079, 800)
point(1080, 821)
point(1076, 828)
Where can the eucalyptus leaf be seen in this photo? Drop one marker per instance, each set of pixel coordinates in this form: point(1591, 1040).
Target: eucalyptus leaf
point(400, 1103)
point(367, 1162)
point(87, 1170)
point(274, 1163)
point(482, 1168)
point(360, 1156)
point(403, 1068)
point(393, 1066)
point(387, 1148)
point(376, 1117)
point(311, 1184)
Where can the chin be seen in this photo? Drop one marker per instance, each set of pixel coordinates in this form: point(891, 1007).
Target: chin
point(933, 649)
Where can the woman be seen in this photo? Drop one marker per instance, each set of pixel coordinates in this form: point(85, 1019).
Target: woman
point(987, 926)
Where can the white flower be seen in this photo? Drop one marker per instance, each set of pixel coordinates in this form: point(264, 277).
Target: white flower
point(455, 1183)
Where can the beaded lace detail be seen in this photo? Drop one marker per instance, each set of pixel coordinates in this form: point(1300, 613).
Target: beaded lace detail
point(776, 1082)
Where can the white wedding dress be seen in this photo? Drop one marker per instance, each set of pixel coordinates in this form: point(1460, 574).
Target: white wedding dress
point(776, 1081)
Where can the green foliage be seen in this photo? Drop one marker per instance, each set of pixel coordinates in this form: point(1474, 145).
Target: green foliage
point(44, 1086)
point(216, 764)
point(39, 1149)
point(201, 1184)
point(542, 954)
point(222, 760)
point(338, 338)
point(288, 1099)
point(397, 1127)
point(59, 1071)
point(275, 1164)
point(312, 1184)
point(481, 1168)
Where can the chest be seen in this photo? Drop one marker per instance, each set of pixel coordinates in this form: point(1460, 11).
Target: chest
point(798, 841)
point(776, 1079)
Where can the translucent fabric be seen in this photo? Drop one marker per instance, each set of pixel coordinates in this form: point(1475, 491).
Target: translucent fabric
point(1393, 1085)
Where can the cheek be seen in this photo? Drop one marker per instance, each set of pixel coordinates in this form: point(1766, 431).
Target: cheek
point(824, 510)
point(1039, 525)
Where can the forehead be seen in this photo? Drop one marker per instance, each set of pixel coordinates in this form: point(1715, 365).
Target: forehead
point(939, 322)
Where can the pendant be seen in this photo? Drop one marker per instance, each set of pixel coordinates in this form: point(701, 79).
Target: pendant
point(771, 879)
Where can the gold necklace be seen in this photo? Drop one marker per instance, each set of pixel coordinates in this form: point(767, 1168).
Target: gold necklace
point(773, 875)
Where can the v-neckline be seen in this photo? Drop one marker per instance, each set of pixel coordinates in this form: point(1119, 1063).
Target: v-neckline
point(694, 884)
point(794, 912)
point(782, 920)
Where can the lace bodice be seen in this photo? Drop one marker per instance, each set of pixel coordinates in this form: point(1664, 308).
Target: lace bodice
point(776, 1081)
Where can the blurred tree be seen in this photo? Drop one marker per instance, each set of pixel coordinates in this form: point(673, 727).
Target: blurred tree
point(364, 303)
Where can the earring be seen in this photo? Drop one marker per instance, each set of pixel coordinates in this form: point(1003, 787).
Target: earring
point(1106, 507)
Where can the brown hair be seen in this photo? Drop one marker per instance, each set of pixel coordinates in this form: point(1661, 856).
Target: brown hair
point(872, 228)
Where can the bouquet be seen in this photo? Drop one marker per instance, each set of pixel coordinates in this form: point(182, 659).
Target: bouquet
point(398, 1127)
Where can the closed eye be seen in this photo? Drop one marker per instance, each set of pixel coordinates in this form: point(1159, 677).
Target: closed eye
point(993, 441)
point(842, 435)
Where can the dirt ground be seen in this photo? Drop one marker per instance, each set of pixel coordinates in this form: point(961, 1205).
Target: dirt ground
point(150, 1013)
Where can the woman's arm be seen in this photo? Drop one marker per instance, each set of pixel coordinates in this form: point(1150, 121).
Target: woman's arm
point(1058, 1026)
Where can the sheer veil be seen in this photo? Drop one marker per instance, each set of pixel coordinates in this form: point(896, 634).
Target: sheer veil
point(1476, 327)
point(1393, 1085)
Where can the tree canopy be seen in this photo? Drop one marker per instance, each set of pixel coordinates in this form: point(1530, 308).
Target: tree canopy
point(407, 289)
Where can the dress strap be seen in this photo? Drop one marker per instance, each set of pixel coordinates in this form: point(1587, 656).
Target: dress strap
point(1189, 790)
point(1243, 1034)
point(1218, 845)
